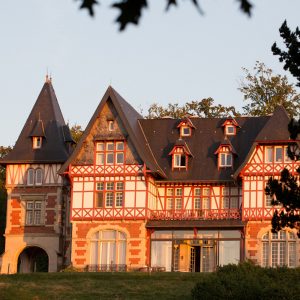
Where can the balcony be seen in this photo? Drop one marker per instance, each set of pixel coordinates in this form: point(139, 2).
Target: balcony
point(195, 214)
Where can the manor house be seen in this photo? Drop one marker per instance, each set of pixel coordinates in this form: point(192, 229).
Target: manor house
point(168, 194)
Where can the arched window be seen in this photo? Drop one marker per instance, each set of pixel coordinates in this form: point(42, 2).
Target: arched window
point(108, 250)
point(279, 249)
point(38, 176)
point(30, 176)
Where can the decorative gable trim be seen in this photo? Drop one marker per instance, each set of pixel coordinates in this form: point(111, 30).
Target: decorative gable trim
point(230, 126)
point(185, 127)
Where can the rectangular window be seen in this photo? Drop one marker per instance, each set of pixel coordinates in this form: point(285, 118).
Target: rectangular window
point(37, 142)
point(110, 153)
point(174, 198)
point(179, 160)
point(112, 193)
point(206, 198)
point(286, 155)
point(278, 154)
point(225, 160)
point(268, 154)
point(110, 125)
point(268, 200)
point(33, 212)
point(30, 177)
point(185, 131)
point(230, 130)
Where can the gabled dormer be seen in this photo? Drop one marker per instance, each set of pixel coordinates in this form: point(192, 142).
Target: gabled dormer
point(37, 134)
point(180, 155)
point(230, 126)
point(185, 127)
point(225, 154)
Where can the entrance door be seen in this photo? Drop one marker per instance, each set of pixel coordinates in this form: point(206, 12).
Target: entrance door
point(202, 259)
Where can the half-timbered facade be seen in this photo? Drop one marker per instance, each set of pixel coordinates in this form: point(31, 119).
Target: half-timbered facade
point(171, 194)
point(177, 195)
point(37, 235)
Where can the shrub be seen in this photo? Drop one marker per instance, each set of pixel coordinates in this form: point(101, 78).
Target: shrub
point(248, 281)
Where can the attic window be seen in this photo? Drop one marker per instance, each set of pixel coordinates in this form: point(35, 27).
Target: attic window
point(110, 125)
point(185, 131)
point(37, 142)
point(230, 130)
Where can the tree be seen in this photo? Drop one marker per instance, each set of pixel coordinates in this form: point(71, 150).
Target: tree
point(203, 109)
point(76, 132)
point(264, 90)
point(286, 190)
point(3, 152)
point(131, 10)
point(290, 57)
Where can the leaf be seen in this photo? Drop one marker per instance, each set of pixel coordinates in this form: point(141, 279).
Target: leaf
point(246, 6)
point(130, 12)
point(89, 5)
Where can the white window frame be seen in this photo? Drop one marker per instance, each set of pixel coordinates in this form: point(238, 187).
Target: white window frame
point(30, 176)
point(183, 128)
point(227, 131)
point(276, 158)
point(226, 156)
point(110, 125)
point(33, 208)
point(38, 182)
point(177, 160)
point(269, 157)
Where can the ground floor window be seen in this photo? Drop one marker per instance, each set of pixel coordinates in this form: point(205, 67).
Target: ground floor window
point(279, 249)
point(190, 251)
point(108, 249)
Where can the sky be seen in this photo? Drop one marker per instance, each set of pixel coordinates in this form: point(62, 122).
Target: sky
point(170, 57)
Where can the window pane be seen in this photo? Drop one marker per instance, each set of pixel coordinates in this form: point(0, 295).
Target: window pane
point(109, 186)
point(269, 154)
point(119, 199)
point(120, 146)
point(38, 205)
point(182, 160)
point(120, 158)
point(99, 199)
point(170, 203)
point(109, 158)
point(30, 176)
point(170, 192)
point(100, 147)
point(292, 254)
point(197, 203)
point(38, 176)
point(99, 186)
point(29, 217)
point(179, 192)
point(229, 159)
point(109, 199)
point(37, 217)
point(223, 159)
point(120, 186)
point(178, 203)
point(278, 154)
point(29, 205)
point(286, 156)
point(110, 146)
point(197, 192)
point(109, 235)
point(99, 159)
point(265, 254)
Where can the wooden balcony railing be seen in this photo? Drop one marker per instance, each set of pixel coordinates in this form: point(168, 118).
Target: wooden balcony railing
point(195, 214)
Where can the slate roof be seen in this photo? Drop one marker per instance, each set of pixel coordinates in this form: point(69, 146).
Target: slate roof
point(46, 120)
point(162, 135)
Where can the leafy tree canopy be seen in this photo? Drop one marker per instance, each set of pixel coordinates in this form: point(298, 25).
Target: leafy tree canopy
point(3, 152)
point(204, 108)
point(263, 91)
point(131, 10)
point(76, 132)
point(286, 190)
point(290, 56)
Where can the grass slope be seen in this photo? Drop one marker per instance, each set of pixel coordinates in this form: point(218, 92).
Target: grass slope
point(98, 286)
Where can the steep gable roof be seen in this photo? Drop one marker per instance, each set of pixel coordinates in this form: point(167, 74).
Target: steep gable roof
point(130, 119)
point(276, 129)
point(45, 120)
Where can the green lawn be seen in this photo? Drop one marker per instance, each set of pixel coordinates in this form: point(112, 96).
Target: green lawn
point(98, 286)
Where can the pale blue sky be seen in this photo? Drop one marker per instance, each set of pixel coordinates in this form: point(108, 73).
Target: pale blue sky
point(177, 56)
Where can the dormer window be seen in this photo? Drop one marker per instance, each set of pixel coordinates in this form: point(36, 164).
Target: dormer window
point(230, 126)
point(37, 142)
point(225, 159)
point(180, 154)
point(179, 160)
point(185, 131)
point(185, 127)
point(230, 130)
point(225, 155)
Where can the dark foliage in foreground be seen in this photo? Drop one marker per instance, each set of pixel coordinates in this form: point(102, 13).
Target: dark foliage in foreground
point(247, 281)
